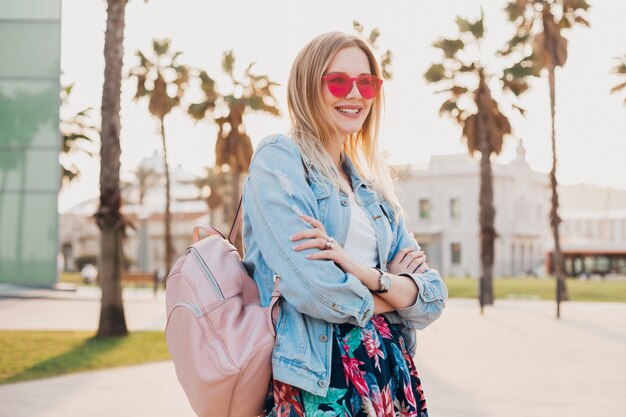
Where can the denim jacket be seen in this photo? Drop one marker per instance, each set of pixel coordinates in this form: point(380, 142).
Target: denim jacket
point(316, 293)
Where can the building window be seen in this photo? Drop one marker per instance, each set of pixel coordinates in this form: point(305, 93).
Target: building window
point(455, 208)
point(455, 250)
point(424, 207)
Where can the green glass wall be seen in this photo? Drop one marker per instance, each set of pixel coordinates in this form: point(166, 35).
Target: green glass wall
point(30, 44)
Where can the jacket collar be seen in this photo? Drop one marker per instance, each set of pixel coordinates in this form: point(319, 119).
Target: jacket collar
point(355, 178)
point(351, 170)
point(360, 186)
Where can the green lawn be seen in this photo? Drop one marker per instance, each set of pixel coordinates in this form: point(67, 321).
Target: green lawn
point(71, 277)
point(26, 355)
point(541, 288)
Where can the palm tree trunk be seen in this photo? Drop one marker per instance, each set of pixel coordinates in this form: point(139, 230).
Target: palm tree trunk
point(555, 220)
point(486, 214)
point(108, 217)
point(168, 234)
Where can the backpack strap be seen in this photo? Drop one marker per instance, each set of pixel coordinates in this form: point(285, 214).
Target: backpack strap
point(274, 303)
point(234, 229)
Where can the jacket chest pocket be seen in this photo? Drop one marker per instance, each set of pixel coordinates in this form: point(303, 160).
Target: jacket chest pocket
point(322, 194)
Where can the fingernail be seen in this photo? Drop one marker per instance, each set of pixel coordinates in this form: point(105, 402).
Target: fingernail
point(291, 237)
point(308, 256)
point(294, 247)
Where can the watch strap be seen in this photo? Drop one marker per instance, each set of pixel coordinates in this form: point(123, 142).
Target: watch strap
point(379, 290)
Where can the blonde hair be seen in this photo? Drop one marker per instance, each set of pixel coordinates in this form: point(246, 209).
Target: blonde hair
point(312, 128)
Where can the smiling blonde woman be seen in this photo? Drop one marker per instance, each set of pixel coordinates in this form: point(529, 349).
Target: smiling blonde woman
point(320, 212)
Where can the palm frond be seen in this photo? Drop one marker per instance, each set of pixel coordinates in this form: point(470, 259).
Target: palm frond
point(618, 88)
point(449, 47)
point(435, 73)
point(228, 63)
point(373, 37)
point(477, 28)
point(161, 47)
point(385, 65)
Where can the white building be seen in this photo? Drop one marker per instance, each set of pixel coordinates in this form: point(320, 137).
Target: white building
point(441, 202)
point(594, 229)
point(144, 247)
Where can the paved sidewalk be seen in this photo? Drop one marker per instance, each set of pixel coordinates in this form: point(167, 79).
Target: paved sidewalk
point(149, 390)
point(520, 361)
point(515, 361)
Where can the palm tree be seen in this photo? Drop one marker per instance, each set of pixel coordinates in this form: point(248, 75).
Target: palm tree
point(214, 188)
point(233, 148)
point(386, 58)
point(75, 131)
point(146, 178)
point(539, 25)
point(620, 70)
point(154, 78)
point(108, 216)
point(465, 81)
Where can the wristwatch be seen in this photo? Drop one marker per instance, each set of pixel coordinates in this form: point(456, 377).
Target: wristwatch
point(384, 282)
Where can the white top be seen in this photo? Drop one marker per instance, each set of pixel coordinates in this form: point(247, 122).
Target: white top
point(361, 242)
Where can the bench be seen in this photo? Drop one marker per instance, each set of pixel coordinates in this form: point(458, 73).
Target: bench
point(141, 278)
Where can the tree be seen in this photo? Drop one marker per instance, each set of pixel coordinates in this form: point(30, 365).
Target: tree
point(163, 81)
point(386, 58)
point(465, 82)
point(539, 25)
point(146, 178)
point(108, 217)
point(233, 148)
point(620, 70)
point(75, 133)
point(213, 188)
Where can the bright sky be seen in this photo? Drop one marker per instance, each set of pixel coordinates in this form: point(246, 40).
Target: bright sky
point(591, 123)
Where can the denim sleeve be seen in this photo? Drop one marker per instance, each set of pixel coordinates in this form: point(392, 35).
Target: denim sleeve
point(432, 291)
point(275, 192)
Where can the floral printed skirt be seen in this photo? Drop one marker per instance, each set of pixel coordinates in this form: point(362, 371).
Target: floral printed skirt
point(372, 375)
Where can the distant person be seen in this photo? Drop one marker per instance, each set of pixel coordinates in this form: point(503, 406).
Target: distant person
point(321, 213)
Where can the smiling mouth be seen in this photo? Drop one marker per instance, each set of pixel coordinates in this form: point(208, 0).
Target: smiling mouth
point(349, 111)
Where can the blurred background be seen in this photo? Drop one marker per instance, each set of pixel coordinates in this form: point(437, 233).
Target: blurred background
point(125, 124)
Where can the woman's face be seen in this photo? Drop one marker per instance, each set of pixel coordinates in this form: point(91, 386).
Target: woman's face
point(347, 113)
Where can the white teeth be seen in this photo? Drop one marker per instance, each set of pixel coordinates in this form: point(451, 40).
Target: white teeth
point(349, 111)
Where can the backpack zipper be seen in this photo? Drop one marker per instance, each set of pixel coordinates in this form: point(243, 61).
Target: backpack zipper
point(190, 306)
point(207, 273)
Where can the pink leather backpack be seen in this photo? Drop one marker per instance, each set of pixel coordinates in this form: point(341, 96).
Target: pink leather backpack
point(218, 335)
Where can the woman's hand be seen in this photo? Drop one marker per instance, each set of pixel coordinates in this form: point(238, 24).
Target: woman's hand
point(408, 260)
point(329, 248)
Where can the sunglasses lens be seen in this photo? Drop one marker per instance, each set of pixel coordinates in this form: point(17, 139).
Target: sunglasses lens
point(368, 86)
point(339, 85)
